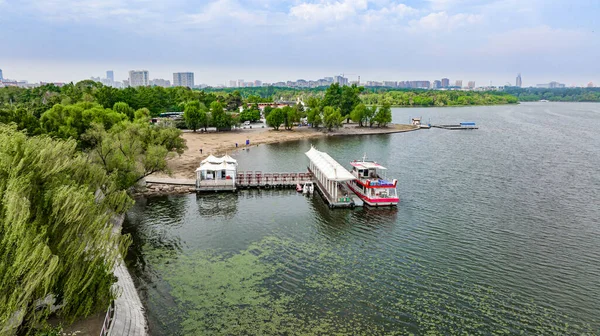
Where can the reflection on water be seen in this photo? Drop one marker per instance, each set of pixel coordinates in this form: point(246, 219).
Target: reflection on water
point(217, 204)
point(497, 232)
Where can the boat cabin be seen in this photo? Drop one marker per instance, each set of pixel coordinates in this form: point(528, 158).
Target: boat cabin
point(416, 122)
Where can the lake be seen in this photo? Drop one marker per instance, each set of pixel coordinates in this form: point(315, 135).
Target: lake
point(497, 231)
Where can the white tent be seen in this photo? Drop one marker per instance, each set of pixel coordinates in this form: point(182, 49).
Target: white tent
point(214, 168)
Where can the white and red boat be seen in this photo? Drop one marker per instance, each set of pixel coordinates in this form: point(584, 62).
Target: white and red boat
point(370, 186)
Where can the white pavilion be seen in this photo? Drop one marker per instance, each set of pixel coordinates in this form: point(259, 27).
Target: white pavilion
point(216, 173)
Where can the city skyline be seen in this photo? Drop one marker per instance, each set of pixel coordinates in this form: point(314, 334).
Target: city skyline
point(482, 40)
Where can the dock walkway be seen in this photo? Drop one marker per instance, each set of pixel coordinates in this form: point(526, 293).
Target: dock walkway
point(171, 181)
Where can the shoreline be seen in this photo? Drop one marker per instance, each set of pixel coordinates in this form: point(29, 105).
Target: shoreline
point(219, 143)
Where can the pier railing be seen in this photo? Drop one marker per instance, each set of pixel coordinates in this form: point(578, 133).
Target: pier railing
point(258, 178)
point(108, 319)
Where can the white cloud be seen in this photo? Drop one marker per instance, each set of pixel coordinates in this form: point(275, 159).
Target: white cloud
point(82, 10)
point(218, 10)
point(540, 40)
point(443, 21)
point(328, 10)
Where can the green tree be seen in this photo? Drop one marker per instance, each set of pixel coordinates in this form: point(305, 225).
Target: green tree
point(233, 101)
point(71, 121)
point(125, 109)
point(359, 114)
point(276, 118)
point(384, 115)
point(349, 100)
point(370, 115)
point(132, 151)
point(333, 96)
point(314, 118)
point(250, 113)
point(220, 119)
point(300, 112)
point(192, 115)
point(332, 118)
point(290, 117)
point(142, 114)
point(57, 240)
point(267, 110)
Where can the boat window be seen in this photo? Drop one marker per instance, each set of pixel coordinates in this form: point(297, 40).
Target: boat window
point(365, 173)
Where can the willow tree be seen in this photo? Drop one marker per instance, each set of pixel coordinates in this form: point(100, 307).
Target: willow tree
point(131, 151)
point(56, 237)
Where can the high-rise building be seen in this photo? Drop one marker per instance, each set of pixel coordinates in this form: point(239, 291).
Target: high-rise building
point(437, 84)
point(471, 85)
point(342, 81)
point(160, 82)
point(183, 79)
point(240, 83)
point(1, 78)
point(445, 82)
point(590, 84)
point(138, 78)
point(232, 83)
point(551, 85)
point(519, 81)
point(257, 83)
point(110, 75)
point(458, 83)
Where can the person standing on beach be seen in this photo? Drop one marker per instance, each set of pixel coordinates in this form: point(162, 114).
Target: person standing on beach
point(200, 150)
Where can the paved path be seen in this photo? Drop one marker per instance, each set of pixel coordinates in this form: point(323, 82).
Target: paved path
point(128, 318)
point(171, 181)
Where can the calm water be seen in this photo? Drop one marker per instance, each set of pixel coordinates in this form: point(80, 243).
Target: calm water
point(497, 231)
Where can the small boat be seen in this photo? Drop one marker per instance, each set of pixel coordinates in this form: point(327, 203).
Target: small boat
point(370, 186)
point(299, 187)
point(309, 188)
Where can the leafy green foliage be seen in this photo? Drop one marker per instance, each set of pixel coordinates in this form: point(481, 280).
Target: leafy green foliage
point(220, 119)
point(314, 117)
point(384, 115)
point(194, 115)
point(132, 151)
point(359, 114)
point(123, 108)
point(437, 98)
point(290, 116)
point(55, 232)
point(276, 118)
point(250, 113)
point(71, 121)
point(332, 118)
point(558, 94)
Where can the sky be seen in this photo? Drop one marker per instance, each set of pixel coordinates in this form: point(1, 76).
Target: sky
point(488, 41)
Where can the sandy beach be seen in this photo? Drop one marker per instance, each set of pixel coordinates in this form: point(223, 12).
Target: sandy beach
point(216, 143)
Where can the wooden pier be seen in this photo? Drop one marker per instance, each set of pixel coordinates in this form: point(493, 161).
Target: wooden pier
point(254, 179)
point(461, 126)
point(257, 179)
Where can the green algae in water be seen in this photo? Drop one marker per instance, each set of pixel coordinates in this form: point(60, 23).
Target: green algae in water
point(260, 291)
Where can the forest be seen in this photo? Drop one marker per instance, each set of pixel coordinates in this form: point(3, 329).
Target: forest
point(557, 94)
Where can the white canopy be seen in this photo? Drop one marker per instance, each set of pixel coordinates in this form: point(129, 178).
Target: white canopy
point(332, 170)
point(229, 159)
point(216, 166)
point(216, 160)
point(212, 159)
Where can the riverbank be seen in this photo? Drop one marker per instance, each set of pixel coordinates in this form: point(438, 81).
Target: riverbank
point(184, 166)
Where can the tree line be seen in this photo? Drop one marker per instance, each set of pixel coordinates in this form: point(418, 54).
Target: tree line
point(67, 163)
point(558, 94)
point(338, 103)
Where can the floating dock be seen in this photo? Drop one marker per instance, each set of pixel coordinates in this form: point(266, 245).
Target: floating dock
point(461, 126)
point(331, 178)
